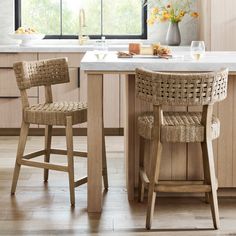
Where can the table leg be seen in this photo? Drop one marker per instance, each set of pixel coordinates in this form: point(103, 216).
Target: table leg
point(95, 132)
point(130, 134)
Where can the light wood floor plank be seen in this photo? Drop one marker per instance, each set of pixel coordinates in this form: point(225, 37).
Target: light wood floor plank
point(44, 209)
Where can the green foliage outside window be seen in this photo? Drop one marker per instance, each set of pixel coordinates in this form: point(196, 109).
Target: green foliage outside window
point(115, 17)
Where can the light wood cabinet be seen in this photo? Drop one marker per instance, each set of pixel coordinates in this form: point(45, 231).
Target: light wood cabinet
point(73, 91)
point(10, 102)
point(73, 58)
point(8, 86)
point(7, 59)
point(11, 112)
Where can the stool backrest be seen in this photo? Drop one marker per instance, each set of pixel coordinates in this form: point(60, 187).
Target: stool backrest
point(181, 89)
point(41, 73)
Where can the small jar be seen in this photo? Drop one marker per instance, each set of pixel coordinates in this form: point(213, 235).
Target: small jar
point(134, 48)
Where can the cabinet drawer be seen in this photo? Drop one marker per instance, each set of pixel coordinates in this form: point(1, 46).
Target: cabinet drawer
point(11, 112)
point(73, 58)
point(8, 86)
point(7, 59)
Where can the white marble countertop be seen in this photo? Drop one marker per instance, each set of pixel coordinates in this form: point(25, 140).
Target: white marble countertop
point(182, 61)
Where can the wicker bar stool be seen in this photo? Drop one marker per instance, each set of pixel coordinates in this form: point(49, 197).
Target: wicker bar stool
point(47, 73)
point(175, 89)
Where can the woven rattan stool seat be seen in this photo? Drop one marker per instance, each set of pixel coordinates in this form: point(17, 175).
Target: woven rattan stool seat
point(178, 127)
point(55, 113)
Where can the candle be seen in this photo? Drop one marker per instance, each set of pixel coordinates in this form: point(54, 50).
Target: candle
point(134, 48)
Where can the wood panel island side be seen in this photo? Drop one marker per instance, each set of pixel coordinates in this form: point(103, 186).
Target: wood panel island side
point(180, 161)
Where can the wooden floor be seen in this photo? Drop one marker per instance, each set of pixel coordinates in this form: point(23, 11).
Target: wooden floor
point(39, 209)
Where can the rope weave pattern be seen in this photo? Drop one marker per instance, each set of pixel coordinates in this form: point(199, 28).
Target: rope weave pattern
point(178, 127)
point(56, 113)
point(41, 73)
point(180, 89)
point(188, 89)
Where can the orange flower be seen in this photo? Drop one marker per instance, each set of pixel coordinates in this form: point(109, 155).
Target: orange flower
point(166, 16)
point(194, 14)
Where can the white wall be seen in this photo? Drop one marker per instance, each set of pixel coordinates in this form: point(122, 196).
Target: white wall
point(6, 20)
point(156, 33)
point(188, 29)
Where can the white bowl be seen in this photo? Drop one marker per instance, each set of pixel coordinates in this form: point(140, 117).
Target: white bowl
point(27, 39)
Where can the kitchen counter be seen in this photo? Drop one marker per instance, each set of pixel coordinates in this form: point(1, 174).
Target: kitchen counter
point(72, 46)
point(182, 61)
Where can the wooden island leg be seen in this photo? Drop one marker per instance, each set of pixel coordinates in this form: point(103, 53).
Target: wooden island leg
point(95, 141)
point(130, 134)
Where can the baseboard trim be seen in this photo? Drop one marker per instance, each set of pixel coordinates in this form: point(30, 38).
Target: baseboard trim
point(59, 132)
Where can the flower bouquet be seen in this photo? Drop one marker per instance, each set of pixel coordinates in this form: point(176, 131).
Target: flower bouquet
point(172, 11)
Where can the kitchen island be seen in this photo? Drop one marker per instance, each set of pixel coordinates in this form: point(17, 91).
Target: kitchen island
point(180, 161)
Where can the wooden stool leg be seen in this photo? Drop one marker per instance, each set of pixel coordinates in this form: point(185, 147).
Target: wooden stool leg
point(70, 157)
point(20, 151)
point(154, 175)
point(48, 141)
point(211, 179)
point(141, 166)
point(206, 173)
point(104, 163)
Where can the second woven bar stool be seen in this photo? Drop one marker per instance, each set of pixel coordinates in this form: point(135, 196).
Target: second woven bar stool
point(47, 73)
point(176, 89)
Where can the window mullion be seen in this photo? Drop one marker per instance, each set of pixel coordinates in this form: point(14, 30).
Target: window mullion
point(61, 17)
point(101, 17)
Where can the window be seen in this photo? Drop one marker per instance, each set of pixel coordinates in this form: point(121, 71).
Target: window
point(60, 18)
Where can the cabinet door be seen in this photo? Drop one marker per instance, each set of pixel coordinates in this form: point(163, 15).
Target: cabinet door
point(7, 59)
point(111, 98)
point(8, 86)
point(11, 112)
point(74, 59)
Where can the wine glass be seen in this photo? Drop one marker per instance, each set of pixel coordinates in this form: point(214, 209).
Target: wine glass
point(197, 50)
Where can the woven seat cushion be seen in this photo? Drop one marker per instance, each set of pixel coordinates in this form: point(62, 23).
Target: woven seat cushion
point(178, 127)
point(55, 113)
